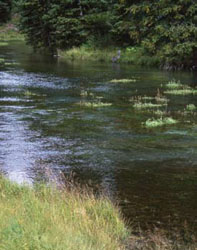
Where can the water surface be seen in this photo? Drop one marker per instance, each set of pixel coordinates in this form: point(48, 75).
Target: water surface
point(152, 173)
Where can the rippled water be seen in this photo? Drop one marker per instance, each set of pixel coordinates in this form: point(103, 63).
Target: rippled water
point(151, 172)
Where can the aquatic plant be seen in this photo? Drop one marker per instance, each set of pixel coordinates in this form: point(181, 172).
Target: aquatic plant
point(152, 123)
point(174, 85)
point(85, 93)
point(11, 64)
point(97, 104)
point(146, 105)
point(185, 91)
point(2, 61)
point(190, 107)
point(122, 80)
point(3, 44)
point(159, 112)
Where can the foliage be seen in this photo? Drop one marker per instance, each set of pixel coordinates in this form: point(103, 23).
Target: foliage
point(36, 24)
point(152, 123)
point(63, 24)
point(164, 28)
point(5, 10)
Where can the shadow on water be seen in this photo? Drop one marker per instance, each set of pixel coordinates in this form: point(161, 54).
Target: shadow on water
point(152, 173)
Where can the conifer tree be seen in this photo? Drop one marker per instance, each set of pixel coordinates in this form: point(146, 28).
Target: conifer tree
point(5, 10)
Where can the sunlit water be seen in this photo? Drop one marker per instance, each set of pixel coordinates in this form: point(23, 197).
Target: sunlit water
point(152, 173)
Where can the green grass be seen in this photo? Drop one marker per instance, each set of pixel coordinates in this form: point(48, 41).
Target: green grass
point(123, 80)
point(152, 123)
point(186, 91)
point(97, 104)
point(3, 44)
point(2, 61)
point(190, 107)
point(9, 32)
point(146, 105)
point(130, 55)
point(174, 85)
point(45, 218)
point(87, 54)
point(176, 88)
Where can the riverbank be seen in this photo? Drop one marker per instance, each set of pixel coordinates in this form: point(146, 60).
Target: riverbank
point(129, 55)
point(10, 32)
point(48, 218)
point(45, 218)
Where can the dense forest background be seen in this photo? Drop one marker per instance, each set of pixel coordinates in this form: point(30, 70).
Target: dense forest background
point(165, 29)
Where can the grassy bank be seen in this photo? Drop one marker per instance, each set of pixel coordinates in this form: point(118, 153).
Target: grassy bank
point(45, 218)
point(130, 55)
point(10, 32)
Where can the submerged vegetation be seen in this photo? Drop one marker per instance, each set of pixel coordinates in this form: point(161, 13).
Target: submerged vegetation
point(152, 123)
point(123, 80)
point(176, 88)
point(96, 104)
point(140, 105)
point(185, 91)
point(158, 106)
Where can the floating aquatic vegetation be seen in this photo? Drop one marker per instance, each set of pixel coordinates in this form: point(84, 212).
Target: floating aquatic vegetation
point(2, 61)
point(190, 107)
point(146, 105)
point(85, 93)
point(11, 64)
point(152, 123)
point(159, 112)
point(174, 85)
point(122, 80)
point(186, 91)
point(3, 44)
point(97, 104)
point(29, 94)
point(176, 88)
point(147, 98)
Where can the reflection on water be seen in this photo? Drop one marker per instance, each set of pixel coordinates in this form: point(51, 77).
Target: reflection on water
point(152, 173)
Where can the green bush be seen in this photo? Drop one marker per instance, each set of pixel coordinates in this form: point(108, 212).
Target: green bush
point(164, 28)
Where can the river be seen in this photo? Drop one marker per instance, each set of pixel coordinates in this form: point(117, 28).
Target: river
point(45, 126)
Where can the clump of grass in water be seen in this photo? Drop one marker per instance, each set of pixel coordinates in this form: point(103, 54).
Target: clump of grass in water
point(122, 80)
point(2, 61)
point(152, 123)
point(174, 85)
point(176, 88)
point(190, 107)
point(85, 93)
point(47, 218)
point(140, 105)
point(3, 44)
point(186, 91)
point(97, 104)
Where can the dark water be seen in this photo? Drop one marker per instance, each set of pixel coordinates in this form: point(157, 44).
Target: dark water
point(151, 172)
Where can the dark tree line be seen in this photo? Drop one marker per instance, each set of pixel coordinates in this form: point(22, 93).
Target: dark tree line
point(5, 10)
point(166, 29)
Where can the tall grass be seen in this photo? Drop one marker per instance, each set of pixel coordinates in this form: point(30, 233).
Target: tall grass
point(47, 218)
point(132, 55)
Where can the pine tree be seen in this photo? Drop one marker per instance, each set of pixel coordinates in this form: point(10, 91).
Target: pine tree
point(5, 10)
